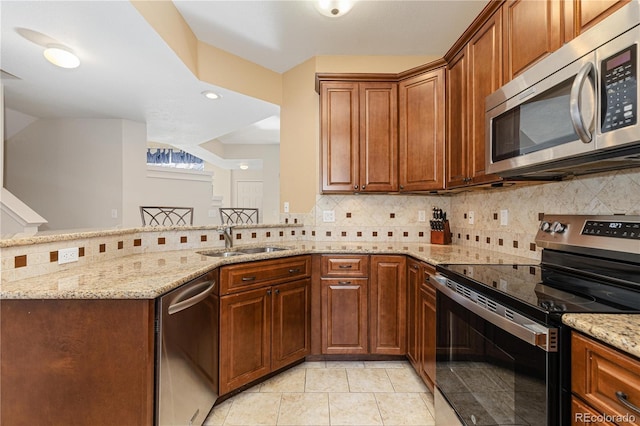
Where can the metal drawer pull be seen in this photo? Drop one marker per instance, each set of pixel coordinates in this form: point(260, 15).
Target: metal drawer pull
point(345, 266)
point(344, 282)
point(248, 278)
point(622, 397)
point(294, 271)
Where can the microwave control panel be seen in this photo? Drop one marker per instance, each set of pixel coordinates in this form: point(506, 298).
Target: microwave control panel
point(619, 75)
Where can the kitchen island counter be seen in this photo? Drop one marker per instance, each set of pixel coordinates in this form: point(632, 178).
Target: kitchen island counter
point(149, 275)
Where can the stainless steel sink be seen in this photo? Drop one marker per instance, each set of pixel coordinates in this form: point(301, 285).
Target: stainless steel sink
point(221, 253)
point(268, 249)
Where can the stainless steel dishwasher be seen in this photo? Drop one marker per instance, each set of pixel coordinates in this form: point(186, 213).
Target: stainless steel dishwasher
point(187, 352)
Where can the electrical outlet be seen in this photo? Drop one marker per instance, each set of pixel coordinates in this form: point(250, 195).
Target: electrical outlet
point(68, 255)
point(286, 207)
point(328, 216)
point(422, 216)
point(472, 218)
point(504, 217)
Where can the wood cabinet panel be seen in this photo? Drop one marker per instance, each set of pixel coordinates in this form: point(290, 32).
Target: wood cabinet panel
point(583, 415)
point(427, 338)
point(245, 338)
point(422, 125)
point(345, 266)
point(599, 372)
point(414, 273)
point(378, 137)
point(340, 135)
point(291, 339)
point(247, 276)
point(388, 296)
point(345, 316)
point(77, 362)
point(457, 123)
point(587, 13)
point(484, 53)
point(532, 30)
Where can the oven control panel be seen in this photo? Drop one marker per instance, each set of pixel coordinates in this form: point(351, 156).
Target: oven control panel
point(612, 229)
point(580, 233)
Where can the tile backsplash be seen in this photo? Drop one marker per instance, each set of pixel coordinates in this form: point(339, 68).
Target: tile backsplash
point(368, 219)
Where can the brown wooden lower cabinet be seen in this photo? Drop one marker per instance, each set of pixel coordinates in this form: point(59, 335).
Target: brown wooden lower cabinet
point(344, 314)
point(77, 362)
point(261, 331)
point(387, 310)
point(601, 378)
point(427, 332)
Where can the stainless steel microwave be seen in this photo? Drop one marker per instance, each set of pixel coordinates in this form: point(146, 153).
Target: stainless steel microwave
point(575, 111)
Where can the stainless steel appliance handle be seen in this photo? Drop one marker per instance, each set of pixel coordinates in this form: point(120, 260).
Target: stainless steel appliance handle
point(575, 102)
point(533, 333)
point(180, 305)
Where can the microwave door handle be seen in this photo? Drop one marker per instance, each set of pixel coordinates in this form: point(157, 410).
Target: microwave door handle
point(575, 102)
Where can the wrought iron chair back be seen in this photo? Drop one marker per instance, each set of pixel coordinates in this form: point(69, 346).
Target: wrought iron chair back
point(234, 215)
point(166, 216)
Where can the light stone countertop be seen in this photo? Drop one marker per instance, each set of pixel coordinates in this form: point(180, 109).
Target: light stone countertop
point(621, 331)
point(149, 275)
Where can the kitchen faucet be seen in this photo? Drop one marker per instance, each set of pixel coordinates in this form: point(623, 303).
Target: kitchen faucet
point(228, 237)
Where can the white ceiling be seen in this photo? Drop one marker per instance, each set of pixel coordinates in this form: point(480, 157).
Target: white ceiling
point(128, 71)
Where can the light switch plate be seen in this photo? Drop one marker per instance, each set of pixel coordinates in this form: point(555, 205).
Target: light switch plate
point(504, 217)
point(422, 216)
point(472, 218)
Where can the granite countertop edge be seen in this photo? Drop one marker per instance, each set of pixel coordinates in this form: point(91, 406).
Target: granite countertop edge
point(152, 274)
point(622, 331)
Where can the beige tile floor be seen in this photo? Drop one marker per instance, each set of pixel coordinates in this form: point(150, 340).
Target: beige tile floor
point(332, 393)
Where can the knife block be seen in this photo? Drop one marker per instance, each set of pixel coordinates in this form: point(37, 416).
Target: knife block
point(443, 236)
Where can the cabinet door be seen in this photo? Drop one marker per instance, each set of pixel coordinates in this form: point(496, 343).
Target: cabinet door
point(532, 30)
point(588, 13)
point(387, 321)
point(457, 121)
point(378, 137)
point(484, 52)
point(414, 272)
point(291, 339)
point(422, 125)
point(427, 328)
point(344, 316)
point(339, 133)
point(245, 338)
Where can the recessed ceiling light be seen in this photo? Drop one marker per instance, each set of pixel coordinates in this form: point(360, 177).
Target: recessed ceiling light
point(211, 95)
point(61, 56)
point(334, 8)
point(244, 166)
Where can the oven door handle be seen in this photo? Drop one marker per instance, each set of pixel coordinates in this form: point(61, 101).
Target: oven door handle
point(533, 333)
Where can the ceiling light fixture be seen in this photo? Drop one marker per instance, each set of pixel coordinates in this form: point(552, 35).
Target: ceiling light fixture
point(334, 8)
point(244, 166)
point(61, 56)
point(211, 95)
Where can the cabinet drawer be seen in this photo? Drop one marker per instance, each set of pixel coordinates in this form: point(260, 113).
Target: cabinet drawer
point(345, 266)
point(600, 373)
point(251, 275)
point(583, 415)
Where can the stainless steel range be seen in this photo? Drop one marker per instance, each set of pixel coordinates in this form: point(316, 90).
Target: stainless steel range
point(503, 354)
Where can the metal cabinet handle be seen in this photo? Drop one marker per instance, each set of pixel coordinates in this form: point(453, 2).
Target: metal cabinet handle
point(363, 187)
point(294, 271)
point(345, 266)
point(248, 279)
point(622, 397)
point(277, 291)
point(269, 292)
point(575, 102)
point(427, 279)
point(355, 187)
point(344, 282)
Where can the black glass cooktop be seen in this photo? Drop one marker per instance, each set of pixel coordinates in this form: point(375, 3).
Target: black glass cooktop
point(540, 292)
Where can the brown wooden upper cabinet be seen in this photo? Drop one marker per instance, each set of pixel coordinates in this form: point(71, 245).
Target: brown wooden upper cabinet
point(422, 124)
point(473, 74)
point(580, 15)
point(532, 30)
point(359, 133)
